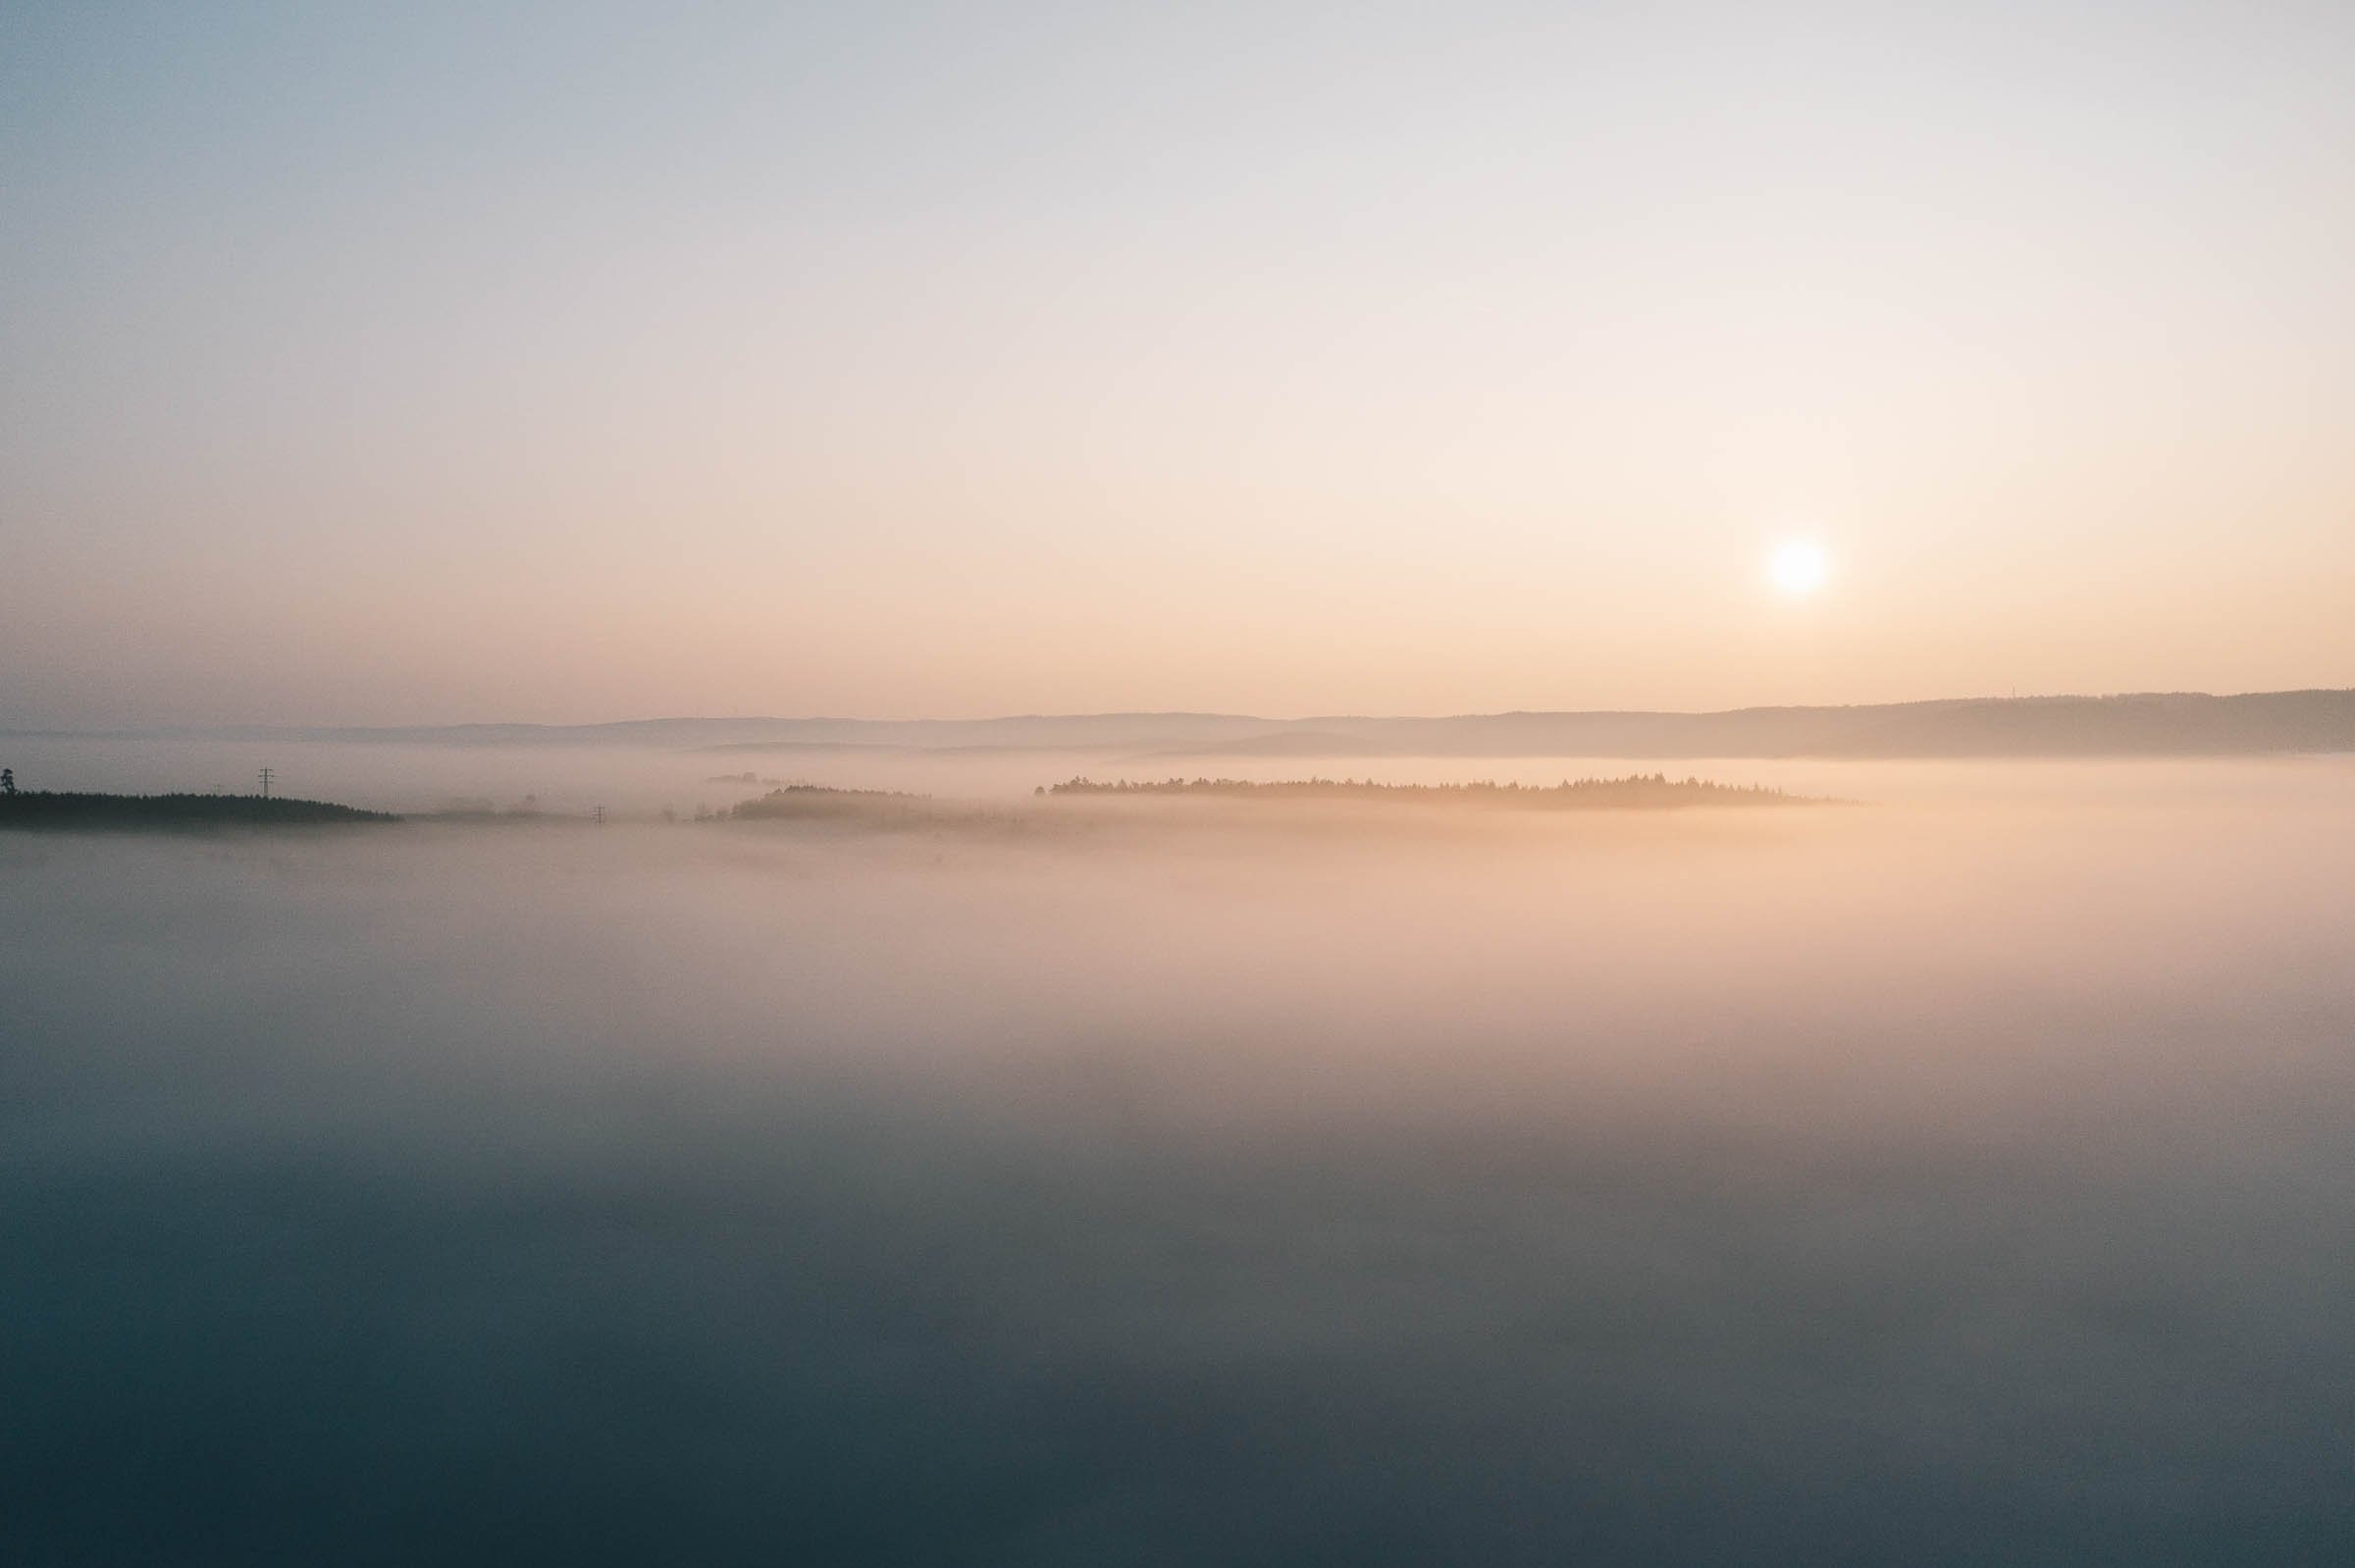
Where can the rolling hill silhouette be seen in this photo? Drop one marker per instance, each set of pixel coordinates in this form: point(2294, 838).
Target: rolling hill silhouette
point(2141, 724)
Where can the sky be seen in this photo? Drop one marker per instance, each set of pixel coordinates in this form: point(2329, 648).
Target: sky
point(578, 362)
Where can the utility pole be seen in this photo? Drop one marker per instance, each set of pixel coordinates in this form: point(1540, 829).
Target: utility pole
point(265, 783)
point(600, 814)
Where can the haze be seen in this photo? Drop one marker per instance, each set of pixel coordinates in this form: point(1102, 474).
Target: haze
point(582, 362)
point(882, 785)
point(1960, 1179)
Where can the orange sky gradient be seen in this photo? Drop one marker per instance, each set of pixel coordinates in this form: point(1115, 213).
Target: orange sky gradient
point(571, 366)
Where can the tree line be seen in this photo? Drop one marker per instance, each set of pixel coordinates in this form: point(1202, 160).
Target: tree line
point(1634, 790)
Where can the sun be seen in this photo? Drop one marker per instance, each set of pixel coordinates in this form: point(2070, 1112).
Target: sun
point(1798, 566)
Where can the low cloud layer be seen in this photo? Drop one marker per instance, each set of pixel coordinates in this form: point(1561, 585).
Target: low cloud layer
point(1955, 1179)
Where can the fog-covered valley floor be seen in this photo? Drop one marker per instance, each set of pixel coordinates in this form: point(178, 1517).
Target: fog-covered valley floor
point(1958, 1177)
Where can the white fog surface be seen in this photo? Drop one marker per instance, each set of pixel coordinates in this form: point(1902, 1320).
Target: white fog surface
point(1957, 1177)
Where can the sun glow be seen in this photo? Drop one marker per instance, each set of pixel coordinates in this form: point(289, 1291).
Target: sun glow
point(1798, 566)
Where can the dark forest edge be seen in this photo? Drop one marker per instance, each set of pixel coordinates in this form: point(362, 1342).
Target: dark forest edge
point(1635, 792)
point(70, 809)
point(78, 811)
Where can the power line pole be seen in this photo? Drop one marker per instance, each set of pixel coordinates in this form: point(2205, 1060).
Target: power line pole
point(265, 783)
point(600, 813)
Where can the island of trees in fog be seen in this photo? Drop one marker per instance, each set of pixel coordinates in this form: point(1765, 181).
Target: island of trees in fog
point(804, 802)
point(69, 810)
point(1637, 791)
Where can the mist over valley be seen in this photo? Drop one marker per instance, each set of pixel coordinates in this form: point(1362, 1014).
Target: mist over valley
point(1917, 1179)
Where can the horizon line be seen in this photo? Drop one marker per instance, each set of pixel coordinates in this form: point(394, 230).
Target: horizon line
point(156, 728)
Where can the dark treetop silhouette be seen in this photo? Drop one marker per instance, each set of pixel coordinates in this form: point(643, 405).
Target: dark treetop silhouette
point(64, 809)
point(1637, 791)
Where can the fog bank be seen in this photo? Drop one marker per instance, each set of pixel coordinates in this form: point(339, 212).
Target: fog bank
point(1959, 1178)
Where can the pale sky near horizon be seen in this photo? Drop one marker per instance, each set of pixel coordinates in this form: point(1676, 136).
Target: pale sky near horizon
point(572, 362)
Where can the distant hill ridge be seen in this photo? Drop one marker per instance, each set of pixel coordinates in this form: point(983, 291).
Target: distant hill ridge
point(2140, 725)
